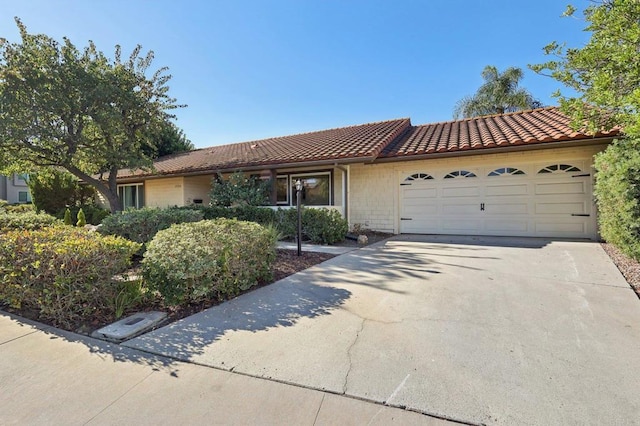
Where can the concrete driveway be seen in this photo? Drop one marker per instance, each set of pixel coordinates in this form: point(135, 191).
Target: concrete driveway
point(473, 329)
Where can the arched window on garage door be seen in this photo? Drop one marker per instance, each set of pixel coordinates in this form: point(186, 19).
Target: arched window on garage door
point(558, 168)
point(506, 171)
point(418, 177)
point(459, 174)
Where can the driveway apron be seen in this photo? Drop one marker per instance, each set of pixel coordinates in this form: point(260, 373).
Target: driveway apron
point(475, 329)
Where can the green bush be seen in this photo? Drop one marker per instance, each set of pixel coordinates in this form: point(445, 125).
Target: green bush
point(53, 190)
point(617, 194)
point(324, 226)
point(64, 273)
point(143, 224)
point(219, 258)
point(320, 226)
point(26, 221)
point(93, 214)
point(239, 190)
point(19, 208)
point(82, 220)
point(67, 217)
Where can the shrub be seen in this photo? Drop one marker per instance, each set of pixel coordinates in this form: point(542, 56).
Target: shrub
point(323, 226)
point(239, 190)
point(320, 226)
point(220, 258)
point(93, 214)
point(617, 194)
point(65, 273)
point(19, 208)
point(82, 220)
point(53, 190)
point(67, 217)
point(26, 221)
point(143, 224)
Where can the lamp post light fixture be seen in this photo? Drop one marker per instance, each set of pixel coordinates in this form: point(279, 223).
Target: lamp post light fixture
point(298, 191)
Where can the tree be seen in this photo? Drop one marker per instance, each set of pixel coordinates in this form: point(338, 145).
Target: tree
point(78, 110)
point(605, 74)
point(498, 94)
point(168, 139)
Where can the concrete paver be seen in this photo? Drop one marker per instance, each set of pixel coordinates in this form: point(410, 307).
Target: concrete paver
point(53, 377)
point(477, 329)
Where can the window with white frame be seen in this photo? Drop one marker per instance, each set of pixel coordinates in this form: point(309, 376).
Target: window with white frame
point(131, 195)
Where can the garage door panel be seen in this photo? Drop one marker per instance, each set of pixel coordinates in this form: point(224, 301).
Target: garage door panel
point(419, 211)
point(420, 193)
point(561, 208)
point(561, 228)
point(419, 226)
point(507, 190)
point(576, 187)
point(460, 208)
point(508, 226)
point(499, 209)
point(461, 191)
point(461, 225)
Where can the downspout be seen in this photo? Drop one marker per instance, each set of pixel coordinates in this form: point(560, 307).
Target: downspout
point(345, 186)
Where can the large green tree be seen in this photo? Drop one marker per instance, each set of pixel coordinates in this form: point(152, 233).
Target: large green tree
point(605, 75)
point(167, 139)
point(499, 93)
point(78, 109)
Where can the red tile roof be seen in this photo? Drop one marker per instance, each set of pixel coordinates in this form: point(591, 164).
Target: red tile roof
point(518, 128)
point(362, 142)
point(385, 141)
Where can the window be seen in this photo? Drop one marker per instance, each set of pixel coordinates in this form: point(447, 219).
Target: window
point(506, 171)
point(282, 190)
point(460, 174)
point(23, 197)
point(316, 189)
point(559, 168)
point(418, 176)
point(20, 179)
point(131, 196)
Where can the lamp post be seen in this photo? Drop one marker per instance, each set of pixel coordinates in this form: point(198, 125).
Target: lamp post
point(298, 191)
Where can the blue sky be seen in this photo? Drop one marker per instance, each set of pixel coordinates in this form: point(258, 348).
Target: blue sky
point(255, 69)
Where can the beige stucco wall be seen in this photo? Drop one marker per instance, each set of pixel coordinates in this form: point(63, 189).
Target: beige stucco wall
point(165, 192)
point(197, 187)
point(374, 188)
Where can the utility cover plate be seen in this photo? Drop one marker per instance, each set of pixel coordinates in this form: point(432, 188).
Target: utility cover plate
point(130, 326)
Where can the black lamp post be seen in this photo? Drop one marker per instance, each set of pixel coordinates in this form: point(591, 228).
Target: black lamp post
point(298, 191)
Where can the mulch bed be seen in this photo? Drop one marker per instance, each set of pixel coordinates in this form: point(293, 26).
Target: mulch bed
point(629, 267)
point(287, 263)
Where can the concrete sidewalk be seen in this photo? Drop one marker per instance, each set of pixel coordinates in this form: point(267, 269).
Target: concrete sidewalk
point(315, 248)
point(53, 377)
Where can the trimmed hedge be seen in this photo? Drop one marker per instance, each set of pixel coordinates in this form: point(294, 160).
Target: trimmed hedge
point(29, 220)
point(64, 273)
point(617, 194)
point(143, 224)
point(320, 226)
point(219, 258)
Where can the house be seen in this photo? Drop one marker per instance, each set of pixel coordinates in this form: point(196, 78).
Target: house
point(14, 189)
point(518, 174)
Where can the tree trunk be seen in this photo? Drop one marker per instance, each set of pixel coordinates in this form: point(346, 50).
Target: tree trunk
point(109, 191)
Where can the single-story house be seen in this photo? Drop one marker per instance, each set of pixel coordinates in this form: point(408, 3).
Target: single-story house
point(518, 174)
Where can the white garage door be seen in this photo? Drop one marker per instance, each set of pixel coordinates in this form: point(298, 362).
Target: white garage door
point(552, 200)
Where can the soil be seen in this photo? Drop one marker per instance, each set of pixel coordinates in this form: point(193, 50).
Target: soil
point(287, 263)
point(629, 267)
